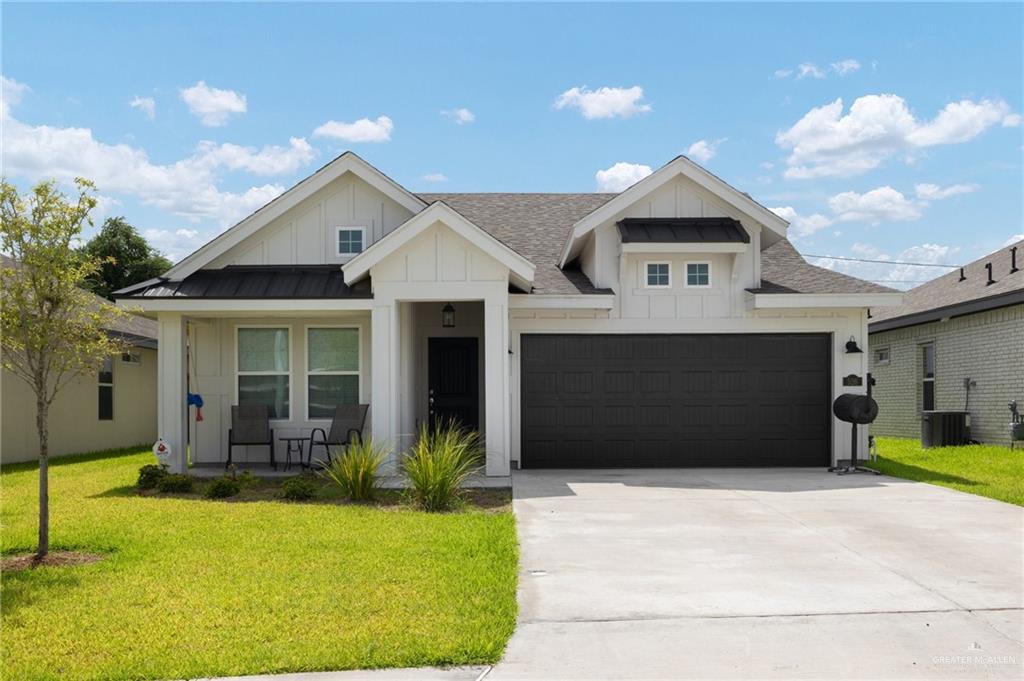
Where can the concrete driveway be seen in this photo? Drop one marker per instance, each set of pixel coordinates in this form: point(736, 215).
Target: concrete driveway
point(781, 573)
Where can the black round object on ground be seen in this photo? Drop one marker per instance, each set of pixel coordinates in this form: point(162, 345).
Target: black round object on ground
point(855, 408)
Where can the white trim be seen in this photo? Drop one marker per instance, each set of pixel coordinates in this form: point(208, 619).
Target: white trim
point(359, 266)
point(347, 162)
point(291, 368)
point(646, 275)
point(349, 228)
point(797, 300)
point(230, 306)
point(686, 274)
point(590, 301)
point(888, 355)
point(729, 247)
point(677, 166)
point(358, 373)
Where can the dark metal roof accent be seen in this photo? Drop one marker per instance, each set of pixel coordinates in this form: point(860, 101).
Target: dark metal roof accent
point(953, 296)
point(280, 282)
point(682, 230)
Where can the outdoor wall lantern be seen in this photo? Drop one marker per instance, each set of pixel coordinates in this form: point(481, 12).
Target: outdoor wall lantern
point(851, 346)
point(448, 316)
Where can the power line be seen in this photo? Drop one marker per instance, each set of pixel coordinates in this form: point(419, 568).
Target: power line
point(882, 262)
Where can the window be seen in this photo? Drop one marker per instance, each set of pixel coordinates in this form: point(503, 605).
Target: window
point(264, 368)
point(105, 380)
point(882, 356)
point(131, 358)
point(928, 377)
point(351, 240)
point(659, 275)
point(698, 274)
point(332, 369)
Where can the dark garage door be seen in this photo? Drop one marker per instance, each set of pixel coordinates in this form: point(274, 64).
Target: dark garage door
point(614, 401)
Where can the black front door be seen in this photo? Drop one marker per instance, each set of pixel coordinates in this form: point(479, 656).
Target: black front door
point(453, 381)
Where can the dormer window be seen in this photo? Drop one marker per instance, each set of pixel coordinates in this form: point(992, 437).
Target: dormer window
point(698, 274)
point(659, 275)
point(351, 240)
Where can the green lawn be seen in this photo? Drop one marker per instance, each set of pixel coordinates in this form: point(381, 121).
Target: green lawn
point(986, 470)
point(191, 587)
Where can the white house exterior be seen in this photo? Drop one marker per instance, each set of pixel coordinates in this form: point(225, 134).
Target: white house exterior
point(671, 324)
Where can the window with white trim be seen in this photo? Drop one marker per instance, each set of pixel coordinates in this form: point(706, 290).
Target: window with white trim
point(882, 356)
point(264, 368)
point(332, 369)
point(658, 275)
point(698, 274)
point(351, 240)
point(105, 392)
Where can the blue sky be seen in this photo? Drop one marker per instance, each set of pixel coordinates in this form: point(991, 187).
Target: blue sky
point(920, 160)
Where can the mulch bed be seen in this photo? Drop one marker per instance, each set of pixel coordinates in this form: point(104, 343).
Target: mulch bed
point(52, 559)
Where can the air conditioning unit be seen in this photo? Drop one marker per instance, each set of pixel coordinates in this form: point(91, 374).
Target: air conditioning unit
point(945, 428)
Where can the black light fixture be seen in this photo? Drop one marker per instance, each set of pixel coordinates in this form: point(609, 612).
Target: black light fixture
point(448, 316)
point(851, 346)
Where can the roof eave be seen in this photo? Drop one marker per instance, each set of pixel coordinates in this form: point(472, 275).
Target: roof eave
point(948, 311)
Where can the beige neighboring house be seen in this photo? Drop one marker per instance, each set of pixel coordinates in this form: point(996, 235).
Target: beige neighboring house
point(115, 407)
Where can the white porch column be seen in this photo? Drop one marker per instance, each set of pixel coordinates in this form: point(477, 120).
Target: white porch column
point(496, 384)
point(384, 377)
point(171, 410)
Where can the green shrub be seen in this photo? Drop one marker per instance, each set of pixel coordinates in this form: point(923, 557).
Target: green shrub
point(355, 469)
point(439, 462)
point(247, 479)
point(150, 476)
point(175, 483)
point(224, 487)
point(301, 488)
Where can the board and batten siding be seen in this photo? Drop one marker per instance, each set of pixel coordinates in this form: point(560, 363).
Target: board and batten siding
point(987, 347)
point(306, 234)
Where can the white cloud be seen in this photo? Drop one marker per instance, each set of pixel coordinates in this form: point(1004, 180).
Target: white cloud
point(933, 192)
point(435, 177)
point(146, 105)
point(703, 151)
point(808, 70)
point(802, 225)
point(460, 115)
point(604, 102)
point(1014, 239)
point(270, 160)
point(620, 176)
point(363, 130)
point(892, 275)
point(767, 165)
point(782, 73)
point(883, 204)
point(11, 92)
point(175, 244)
point(845, 66)
point(211, 105)
point(825, 142)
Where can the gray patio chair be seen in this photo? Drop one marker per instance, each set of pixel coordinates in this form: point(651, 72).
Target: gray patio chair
point(348, 421)
point(250, 426)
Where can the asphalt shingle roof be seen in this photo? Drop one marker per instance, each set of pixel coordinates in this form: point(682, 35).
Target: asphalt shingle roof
point(946, 292)
point(783, 270)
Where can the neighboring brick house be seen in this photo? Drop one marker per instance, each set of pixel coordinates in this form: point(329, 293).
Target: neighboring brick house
point(968, 324)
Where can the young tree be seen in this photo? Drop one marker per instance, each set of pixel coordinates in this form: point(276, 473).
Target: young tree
point(51, 329)
point(124, 256)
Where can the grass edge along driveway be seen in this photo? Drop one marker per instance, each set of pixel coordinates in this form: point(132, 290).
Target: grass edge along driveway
point(990, 471)
point(193, 587)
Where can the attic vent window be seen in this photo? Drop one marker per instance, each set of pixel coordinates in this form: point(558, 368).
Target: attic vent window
point(351, 240)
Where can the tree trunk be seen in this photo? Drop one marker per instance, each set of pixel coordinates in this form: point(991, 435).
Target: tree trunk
point(44, 482)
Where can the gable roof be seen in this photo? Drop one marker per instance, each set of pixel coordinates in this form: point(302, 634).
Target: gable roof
point(948, 296)
point(520, 268)
point(347, 162)
point(680, 165)
point(783, 270)
point(534, 225)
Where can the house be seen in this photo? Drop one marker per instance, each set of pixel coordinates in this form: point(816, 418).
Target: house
point(963, 328)
point(671, 324)
point(115, 407)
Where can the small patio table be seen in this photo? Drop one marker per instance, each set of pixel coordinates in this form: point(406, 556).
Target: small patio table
point(295, 445)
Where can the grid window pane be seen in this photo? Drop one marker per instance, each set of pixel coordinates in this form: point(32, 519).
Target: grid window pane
point(269, 390)
point(327, 392)
point(698, 274)
point(263, 349)
point(657, 274)
point(350, 241)
point(333, 350)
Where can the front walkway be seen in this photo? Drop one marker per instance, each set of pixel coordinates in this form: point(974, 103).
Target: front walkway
point(785, 573)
